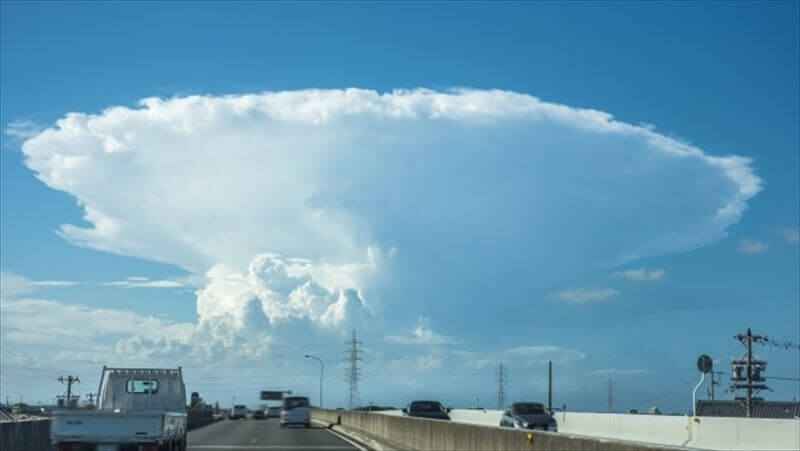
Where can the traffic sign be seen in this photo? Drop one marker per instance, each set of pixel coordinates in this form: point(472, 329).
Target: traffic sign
point(704, 364)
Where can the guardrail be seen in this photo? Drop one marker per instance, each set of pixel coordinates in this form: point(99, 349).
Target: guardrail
point(25, 435)
point(398, 432)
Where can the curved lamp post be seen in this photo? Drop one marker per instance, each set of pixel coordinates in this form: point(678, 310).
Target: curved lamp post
point(321, 374)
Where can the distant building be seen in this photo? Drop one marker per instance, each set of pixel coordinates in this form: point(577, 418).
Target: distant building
point(761, 409)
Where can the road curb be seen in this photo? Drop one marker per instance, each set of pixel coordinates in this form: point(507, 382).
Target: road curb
point(360, 440)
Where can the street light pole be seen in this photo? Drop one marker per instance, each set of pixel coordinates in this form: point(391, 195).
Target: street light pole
point(321, 374)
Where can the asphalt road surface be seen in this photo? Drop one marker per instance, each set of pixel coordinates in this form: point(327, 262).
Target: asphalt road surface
point(264, 435)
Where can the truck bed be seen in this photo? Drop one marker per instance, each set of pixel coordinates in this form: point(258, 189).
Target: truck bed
point(104, 426)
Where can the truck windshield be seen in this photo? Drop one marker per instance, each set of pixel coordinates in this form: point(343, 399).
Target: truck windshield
point(149, 386)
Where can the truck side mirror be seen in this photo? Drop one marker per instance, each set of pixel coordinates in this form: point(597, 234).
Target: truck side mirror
point(405, 410)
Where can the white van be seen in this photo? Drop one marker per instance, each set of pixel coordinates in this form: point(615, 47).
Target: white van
point(238, 411)
point(295, 410)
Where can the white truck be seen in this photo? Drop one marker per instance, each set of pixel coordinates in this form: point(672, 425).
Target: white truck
point(138, 409)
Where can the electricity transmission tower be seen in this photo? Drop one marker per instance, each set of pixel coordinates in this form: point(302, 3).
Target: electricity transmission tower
point(352, 351)
point(610, 391)
point(502, 378)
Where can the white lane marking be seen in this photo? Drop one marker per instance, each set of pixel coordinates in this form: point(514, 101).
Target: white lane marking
point(267, 447)
point(343, 437)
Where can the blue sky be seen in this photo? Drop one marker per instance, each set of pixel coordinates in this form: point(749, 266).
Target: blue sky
point(467, 250)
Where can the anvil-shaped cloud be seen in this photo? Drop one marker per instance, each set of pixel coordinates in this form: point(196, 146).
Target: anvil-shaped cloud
point(418, 195)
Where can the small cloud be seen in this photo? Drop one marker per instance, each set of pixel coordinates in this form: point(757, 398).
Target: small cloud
point(751, 247)
point(21, 130)
point(641, 274)
point(788, 234)
point(144, 282)
point(622, 371)
point(422, 335)
point(190, 281)
point(541, 354)
point(12, 284)
point(583, 296)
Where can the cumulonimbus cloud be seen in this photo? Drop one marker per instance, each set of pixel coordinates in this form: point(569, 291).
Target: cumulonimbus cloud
point(465, 187)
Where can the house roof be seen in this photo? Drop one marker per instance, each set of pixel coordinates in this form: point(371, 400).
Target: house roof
point(761, 409)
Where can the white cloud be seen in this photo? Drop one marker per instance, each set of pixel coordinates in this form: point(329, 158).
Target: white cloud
point(435, 188)
point(22, 129)
point(622, 371)
point(751, 247)
point(422, 335)
point(541, 354)
point(122, 335)
point(641, 274)
point(144, 282)
point(788, 234)
point(12, 284)
point(583, 296)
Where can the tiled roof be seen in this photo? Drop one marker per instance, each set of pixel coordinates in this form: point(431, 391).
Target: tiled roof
point(761, 409)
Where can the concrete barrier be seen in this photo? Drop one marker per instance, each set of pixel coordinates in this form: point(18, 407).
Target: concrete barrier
point(661, 429)
point(745, 433)
point(399, 432)
point(482, 417)
point(25, 435)
point(717, 433)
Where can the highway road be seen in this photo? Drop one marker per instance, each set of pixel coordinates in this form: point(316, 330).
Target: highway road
point(264, 435)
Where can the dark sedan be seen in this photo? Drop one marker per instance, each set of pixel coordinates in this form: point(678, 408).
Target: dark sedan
point(427, 409)
point(259, 414)
point(529, 415)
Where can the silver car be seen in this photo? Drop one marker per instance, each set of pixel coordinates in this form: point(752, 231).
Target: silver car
point(295, 410)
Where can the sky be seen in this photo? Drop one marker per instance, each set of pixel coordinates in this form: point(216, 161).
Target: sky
point(613, 187)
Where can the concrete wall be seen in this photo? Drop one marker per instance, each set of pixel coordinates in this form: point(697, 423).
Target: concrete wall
point(482, 417)
point(662, 429)
point(745, 433)
point(418, 434)
point(25, 435)
point(701, 432)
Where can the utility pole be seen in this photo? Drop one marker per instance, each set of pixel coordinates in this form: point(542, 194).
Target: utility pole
point(714, 383)
point(352, 351)
point(751, 380)
point(610, 391)
point(70, 380)
point(502, 377)
point(550, 386)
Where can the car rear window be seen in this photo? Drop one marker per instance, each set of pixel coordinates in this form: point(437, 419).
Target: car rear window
point(291, 403)
point(424, 406)
point(529, 409)
point(137, 386)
